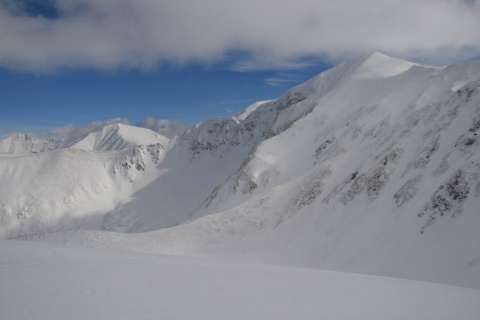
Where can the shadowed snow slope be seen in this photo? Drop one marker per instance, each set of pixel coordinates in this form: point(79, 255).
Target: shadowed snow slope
point(47, 281)
point(372, 166)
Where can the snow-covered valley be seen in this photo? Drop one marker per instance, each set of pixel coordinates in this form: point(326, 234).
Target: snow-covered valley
point(371, 167)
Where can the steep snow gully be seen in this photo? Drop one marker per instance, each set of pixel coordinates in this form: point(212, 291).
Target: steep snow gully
point(371, 167)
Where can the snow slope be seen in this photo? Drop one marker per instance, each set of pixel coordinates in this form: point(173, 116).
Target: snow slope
point(119, 136)
point(372, 166)
point(45, 281)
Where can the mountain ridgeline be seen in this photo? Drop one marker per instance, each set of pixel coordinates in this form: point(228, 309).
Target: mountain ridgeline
point(372, 166)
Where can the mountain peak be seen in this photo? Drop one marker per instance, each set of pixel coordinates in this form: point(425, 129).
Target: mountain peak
point(377, 55)
point(118, 136)
point(379, 65)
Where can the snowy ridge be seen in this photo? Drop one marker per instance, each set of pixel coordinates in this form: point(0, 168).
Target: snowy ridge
point(251, 108)
point(372, 166)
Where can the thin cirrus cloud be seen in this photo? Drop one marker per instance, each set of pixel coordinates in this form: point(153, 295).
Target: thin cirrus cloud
point(109, 34)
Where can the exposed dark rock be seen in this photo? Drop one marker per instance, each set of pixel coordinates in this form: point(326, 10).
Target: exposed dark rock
point(407, 191)
point(447, 199)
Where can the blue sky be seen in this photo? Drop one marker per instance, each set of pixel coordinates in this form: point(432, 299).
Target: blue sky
point(39, 102)
point(70, 62)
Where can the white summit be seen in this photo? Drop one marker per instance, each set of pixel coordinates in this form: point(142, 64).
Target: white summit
point(119, 136)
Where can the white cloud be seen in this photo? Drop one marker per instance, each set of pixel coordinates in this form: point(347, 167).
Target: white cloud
point(275, 33)
point(71, 134)
point(279, 82)
point(168, 128)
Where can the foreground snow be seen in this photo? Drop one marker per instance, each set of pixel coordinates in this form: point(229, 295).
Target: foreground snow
point(47, 281)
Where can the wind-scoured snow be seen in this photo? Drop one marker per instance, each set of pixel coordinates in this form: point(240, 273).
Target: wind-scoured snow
point(372, 166)
point(46, 281)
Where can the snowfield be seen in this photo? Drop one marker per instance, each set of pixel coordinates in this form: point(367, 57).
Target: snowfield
point(46, 281)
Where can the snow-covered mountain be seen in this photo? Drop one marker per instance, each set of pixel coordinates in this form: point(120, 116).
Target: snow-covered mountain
point(23, 143)
point(68, 187)
point(119, 137)
point(99, 136)
point(372, 166)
